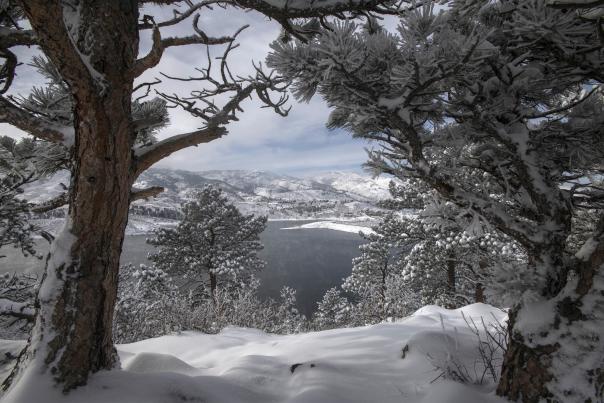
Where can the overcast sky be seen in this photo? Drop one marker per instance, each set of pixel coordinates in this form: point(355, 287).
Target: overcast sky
point(298, 144)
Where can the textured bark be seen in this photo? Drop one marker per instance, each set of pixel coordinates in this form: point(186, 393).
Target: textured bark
point(72, 335)
point(527, 369)
point(524, 373)
point(213, 285)
point(478, 287)
point(479, 293)
point(451, 282)
point(451, 274)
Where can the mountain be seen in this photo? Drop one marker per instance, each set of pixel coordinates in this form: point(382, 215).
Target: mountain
point(332, 195)
point(356, 184)
point(262, 185)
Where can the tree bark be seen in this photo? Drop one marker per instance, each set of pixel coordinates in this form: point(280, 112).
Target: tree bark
point(478, 287)
point(72, 336)
point(213, 284)
point(563, 361)
point(451, 280)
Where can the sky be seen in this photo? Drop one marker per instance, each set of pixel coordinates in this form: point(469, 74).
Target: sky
point(298, 144)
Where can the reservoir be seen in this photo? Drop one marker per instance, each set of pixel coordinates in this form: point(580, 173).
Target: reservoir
point(310, 260)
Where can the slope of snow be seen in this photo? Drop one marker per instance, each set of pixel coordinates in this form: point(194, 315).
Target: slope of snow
point(353, 183)
point(353, 365)
point(336, 226)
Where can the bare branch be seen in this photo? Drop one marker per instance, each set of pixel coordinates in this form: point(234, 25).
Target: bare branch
point(159, 45)
point(146, 85)
point(178, 16)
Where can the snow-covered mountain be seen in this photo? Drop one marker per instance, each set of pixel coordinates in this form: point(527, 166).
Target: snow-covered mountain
point(334, 186)
point(332, 195)
point(355, 184)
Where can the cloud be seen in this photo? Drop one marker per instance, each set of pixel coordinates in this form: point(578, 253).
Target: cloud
point(261, 139)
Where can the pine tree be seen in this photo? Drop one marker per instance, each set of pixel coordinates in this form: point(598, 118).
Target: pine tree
point(22, 163)
point(148, 304)
point(93, 46)
point(497, 108)
point(380, 258)
point(333, 311)
point(214, 244)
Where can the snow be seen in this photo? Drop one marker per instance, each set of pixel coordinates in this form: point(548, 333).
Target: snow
point(352, 365)
point(587, 249)
point(334, 226)
point(6, 305)
point(336, 195)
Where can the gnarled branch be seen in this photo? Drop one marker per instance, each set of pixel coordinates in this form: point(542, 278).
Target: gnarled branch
point(159, 45)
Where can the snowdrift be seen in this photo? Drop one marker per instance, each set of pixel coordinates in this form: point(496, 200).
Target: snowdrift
point(352, 365)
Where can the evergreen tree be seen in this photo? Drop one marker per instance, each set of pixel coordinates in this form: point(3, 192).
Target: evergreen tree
point(214, 244)
point(94, 48)
point(497, 108)
point(148, 304)
point(333, 311)
point(380, 258)
point(21, 163)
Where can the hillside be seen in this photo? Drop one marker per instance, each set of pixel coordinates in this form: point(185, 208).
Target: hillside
point(384, 363)
point(337, 195)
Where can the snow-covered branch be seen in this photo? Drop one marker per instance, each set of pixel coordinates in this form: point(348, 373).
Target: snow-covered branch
point(139, 194)
point(20, 310)
point(51, 204)
point(286, 9)
point(36, 126)
point(149, 155)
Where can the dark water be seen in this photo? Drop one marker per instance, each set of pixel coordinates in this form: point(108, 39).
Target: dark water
point(308, 260)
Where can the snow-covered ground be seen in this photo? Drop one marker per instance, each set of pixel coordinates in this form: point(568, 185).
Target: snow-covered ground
point(353, 365)
point(336, 226)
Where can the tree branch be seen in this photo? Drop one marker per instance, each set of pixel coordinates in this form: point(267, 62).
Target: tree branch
point(178, 17)
point(574, 3)
point(17, 37)
point(34, 125)
point(159, 45)
point(18, 310)
point(313, 8)
point(51, 204)
point(138, 194)
point(149, 155)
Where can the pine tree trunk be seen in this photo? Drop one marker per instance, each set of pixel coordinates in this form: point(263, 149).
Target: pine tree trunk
point(72, 336)
point(213, 285)
point(478, 287)
point(479, 293)
point(565, 361)
point(451, 280)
